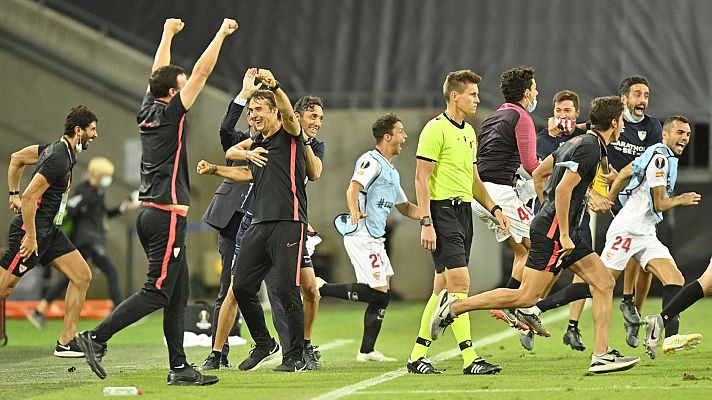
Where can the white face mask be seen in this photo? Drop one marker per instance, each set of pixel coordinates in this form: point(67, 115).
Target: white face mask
point(79, 147)
point(532, 106)
point(629, 117)
point(105, 181)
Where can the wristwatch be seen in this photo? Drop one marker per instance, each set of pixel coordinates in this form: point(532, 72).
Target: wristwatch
point(426, 221)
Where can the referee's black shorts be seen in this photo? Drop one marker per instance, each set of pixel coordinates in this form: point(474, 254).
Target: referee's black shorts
point(544, 252)
point(453, 226)
point(51, 244)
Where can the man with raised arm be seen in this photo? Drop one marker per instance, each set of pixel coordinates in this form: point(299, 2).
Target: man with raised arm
point(165, 192)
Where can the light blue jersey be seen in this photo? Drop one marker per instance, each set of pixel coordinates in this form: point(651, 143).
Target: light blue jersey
point(655, 167)
point(381, 191)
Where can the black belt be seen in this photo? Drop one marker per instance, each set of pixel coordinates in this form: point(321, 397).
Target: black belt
point(455, 202)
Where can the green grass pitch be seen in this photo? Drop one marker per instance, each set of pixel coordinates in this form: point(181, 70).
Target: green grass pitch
point(137, 357)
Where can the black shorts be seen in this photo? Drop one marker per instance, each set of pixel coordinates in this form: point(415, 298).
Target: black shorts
point(51, 244)
point(543, 255)
point(453, 227)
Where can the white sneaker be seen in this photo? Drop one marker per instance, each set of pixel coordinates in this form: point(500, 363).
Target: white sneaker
point(654, 326)
point(611, 361)
point(373, 356)
point(442, 316)
point(320, 282)
point(677, 343)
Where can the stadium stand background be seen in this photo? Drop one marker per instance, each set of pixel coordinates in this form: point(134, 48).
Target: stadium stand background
point(364, 58)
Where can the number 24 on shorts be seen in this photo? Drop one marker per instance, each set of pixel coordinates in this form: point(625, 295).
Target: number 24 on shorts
point(621, 243)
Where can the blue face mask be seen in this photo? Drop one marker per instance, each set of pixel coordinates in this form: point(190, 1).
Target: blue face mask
point(105, 181)
point(532, 106)
point(629, 117)
point(79, 147)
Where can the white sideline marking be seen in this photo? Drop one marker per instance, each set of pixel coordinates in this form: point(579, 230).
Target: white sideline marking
point(326, 346)
point(524, 390)
point(497, 337)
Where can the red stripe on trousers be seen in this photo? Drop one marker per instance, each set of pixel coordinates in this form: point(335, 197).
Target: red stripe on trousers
point(169, 250)
point(301, 248)
point(292, 167)
point(554, 257)
point(174, 195)
point(552, 229)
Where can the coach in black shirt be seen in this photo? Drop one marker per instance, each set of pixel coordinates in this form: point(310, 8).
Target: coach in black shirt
point(165, 192)
point(278, 228)
point(34, 236)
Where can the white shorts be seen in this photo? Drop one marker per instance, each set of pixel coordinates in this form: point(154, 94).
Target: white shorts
point(369, 258)
point(621, 246)
point(518, 213)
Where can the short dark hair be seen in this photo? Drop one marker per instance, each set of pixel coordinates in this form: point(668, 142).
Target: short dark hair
point(264, 95)
point(604, 110)
point(671, 119)
point(80, 116)
point(306, 103)
point(624, 88)
point(514, 82)
point(457, 80)
point(163, 79)
point(566, 95)
point(383, 125)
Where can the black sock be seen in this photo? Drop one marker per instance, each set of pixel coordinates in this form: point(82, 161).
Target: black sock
point(573, 324)
point(217, 354)
point(573, 292)
point(512, 283)
point(672, 324)
point(307, 343)
point(352, 291)
point(628, 298)
point(685, 297)
point(372, 321)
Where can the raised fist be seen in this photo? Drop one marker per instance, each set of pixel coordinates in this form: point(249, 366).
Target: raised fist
point(229, 26)
point(266, 77)
point(173, 25)
point(205, 167)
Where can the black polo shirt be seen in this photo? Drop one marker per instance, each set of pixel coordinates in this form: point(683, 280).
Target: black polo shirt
point(55, 164)
point(279, 190)
point(164, 159)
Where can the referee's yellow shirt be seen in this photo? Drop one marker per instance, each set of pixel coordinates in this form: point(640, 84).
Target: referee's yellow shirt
point(453, 148)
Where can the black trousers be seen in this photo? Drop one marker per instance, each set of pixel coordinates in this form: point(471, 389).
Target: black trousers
point(96, 254)
point(162, 235)
point(226, 247)
point(278, 245)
